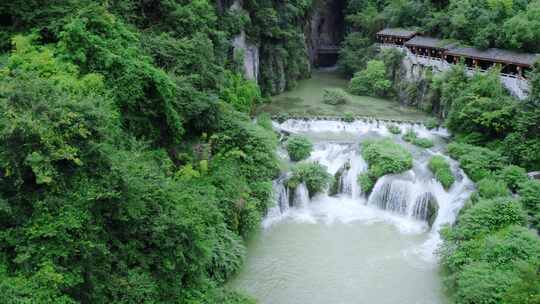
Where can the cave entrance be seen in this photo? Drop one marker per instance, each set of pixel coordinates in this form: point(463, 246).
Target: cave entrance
point(328, 29)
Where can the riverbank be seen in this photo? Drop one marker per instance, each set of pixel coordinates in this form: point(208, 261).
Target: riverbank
point(306, 100)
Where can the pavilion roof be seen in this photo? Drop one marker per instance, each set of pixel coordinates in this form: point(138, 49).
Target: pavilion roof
point(397, 32)
point(429, 42)
point(496, 55)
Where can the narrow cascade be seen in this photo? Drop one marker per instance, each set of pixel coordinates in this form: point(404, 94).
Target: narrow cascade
point(281, 193)
point(348, 181)
point(301, 196)
point(391, 195)
point(424, 207)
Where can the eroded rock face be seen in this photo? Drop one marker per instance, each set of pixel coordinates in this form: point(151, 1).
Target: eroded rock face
point(248, 51)
point(250, 54)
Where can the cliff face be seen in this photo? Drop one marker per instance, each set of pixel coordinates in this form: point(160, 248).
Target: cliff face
point(279, 55)
point(248, 52)
point(413, 87)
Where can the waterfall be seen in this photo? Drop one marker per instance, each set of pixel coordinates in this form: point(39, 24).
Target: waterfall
point(414, 201)
point(281, 193)
point(348, 180)
point(301, 196)
point(424, 207)
point(391, 194)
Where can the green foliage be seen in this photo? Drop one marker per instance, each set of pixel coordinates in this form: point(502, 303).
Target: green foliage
point(477, 162)
point(264, 120)
point(348, 116)
point(482, 108)
point(314, 175)
point(423, 142)
point(431, 123)
point(335, 97)
point(487, 216)
point(97, 41)
point(242, 94)
point(366, 182)
point(492, 188)
point(442, 171)
point(385, 157)
point(409, 136)
point(357, 50)
point(529, 195)
point(117, 153)
point(489, 268)
point(412, 137)
point(392, 59)
point(371, 81)
point(299, 147)
point(394, 129)
point(513, 176)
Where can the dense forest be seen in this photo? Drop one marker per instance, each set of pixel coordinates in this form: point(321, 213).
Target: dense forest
point(131, 170)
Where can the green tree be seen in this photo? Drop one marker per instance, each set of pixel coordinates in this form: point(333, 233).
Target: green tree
point(371, 81)
point(299, 147)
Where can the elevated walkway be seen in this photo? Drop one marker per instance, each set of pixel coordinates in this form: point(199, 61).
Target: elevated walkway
point(518, 86)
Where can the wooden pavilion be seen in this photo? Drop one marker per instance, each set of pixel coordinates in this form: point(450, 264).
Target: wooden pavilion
point(427, 46)
point(394, 36)
point(512, 63)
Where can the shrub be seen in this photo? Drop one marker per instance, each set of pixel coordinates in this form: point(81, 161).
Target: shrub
point(335, 97)
point(491, 188)
point(513, 176)
point(442, 171)
point(299, 147)
point(365, 182)
point(264, 120)
point(412, 137)
point(385, 157)
point(314, 175)
point(529, 195)
point(479, 283)
point(485, 269)
point(431, 123)
point(486, 216)
point(242, 94)
point(423, 142)
point(477, 162)
point(371, 81)
point(348, 116)
point(393, 129)
point(409, 136)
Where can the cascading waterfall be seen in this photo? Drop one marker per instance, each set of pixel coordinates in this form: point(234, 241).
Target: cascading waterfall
point(282, 196)
point(348, 180)
point(391, 195)
point(301, 196)
point(411, 197)
point(422, 205)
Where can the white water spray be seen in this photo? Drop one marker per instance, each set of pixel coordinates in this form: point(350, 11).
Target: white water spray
point(410, 201)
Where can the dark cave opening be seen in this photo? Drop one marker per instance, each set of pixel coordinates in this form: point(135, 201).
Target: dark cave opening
point(327, 60)
point(6, 20)
point(329, 31)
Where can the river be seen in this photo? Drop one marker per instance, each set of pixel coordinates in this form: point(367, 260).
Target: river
point(349, 248)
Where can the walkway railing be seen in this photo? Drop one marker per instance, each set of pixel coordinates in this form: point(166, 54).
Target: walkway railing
point(516, 84)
